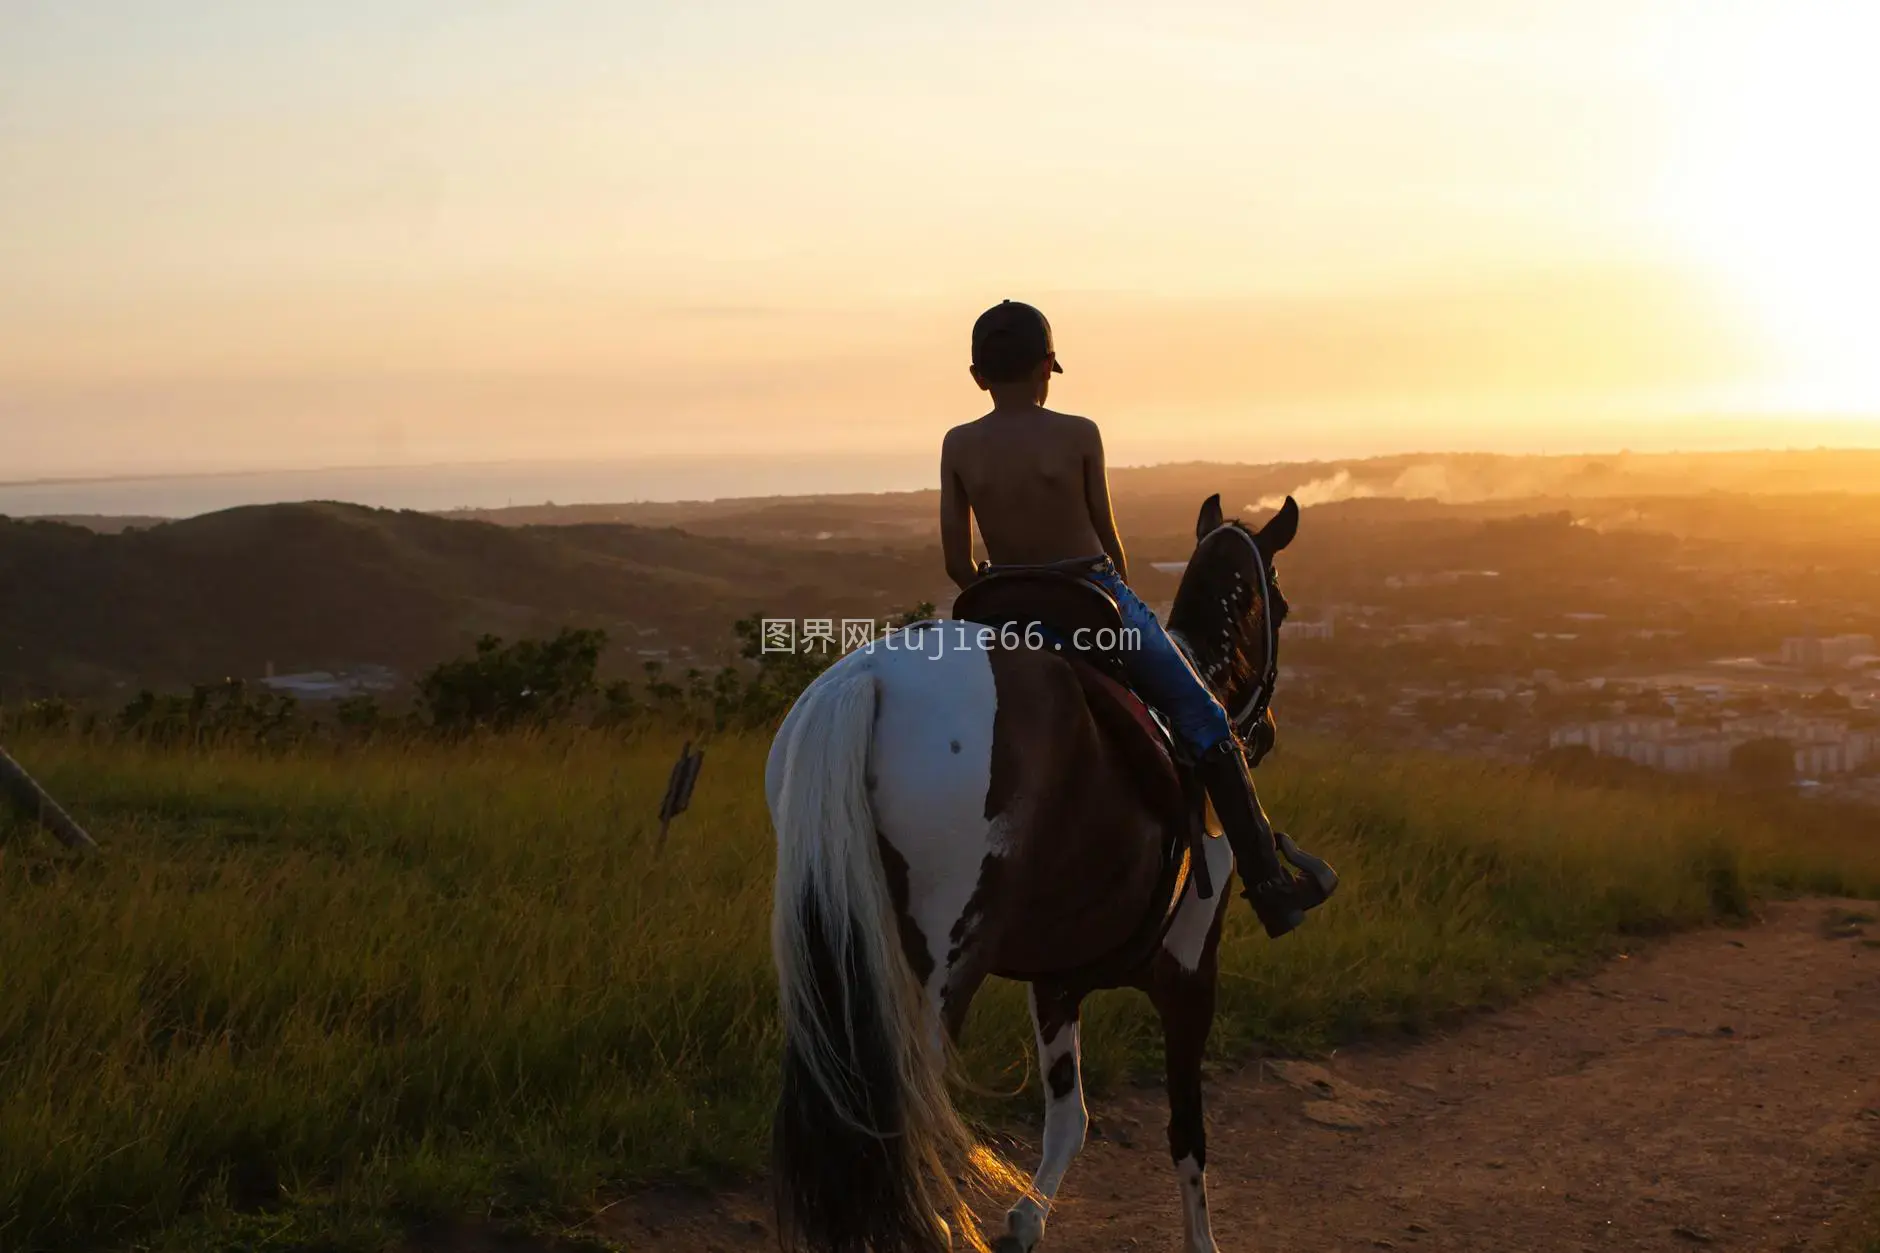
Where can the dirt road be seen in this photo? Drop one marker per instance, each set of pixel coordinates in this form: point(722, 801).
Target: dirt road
point(1718, 1090)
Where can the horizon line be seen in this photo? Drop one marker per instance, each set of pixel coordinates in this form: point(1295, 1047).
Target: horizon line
point(81, 480)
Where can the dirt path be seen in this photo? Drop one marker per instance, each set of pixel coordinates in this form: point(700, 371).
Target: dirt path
point(1720, 1090)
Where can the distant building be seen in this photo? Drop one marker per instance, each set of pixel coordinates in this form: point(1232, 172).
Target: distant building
point(1844, 650)
point(1814, 760)
point(1698, 756)
point(1823, 746)
point(331, 685)
point(1441, 578)
point(1816, 652)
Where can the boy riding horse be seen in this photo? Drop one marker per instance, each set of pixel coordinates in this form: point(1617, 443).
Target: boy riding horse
point(1035, 482)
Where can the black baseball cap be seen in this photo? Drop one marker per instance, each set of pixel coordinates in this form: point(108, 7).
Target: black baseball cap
point(1009, 340)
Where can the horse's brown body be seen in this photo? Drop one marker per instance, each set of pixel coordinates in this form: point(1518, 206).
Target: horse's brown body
point(1086, 799)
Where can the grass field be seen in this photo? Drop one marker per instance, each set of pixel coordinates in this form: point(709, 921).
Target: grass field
point(307, 1000)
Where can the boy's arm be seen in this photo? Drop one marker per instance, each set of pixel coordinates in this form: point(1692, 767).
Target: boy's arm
point(1097, 496)
point(956, 519)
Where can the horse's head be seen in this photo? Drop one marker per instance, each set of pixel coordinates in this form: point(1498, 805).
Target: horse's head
point(1229, 609)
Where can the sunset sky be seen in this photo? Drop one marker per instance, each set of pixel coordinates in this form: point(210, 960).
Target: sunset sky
point(240, 235)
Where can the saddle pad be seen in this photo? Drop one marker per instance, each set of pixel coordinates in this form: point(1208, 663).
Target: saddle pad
point(1130, 726)
point(1148, 719)
point(1146, 747)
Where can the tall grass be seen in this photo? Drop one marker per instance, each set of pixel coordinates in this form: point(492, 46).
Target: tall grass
point(309, 998)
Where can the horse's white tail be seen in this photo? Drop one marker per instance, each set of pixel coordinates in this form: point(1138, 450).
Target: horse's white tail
point(866, 1141)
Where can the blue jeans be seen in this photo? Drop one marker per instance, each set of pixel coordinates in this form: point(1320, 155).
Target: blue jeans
point(1161, 671)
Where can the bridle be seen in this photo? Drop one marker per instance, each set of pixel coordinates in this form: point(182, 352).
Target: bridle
point(1252, 711)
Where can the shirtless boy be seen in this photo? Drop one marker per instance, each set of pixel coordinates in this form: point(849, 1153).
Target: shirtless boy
point(1035, 481)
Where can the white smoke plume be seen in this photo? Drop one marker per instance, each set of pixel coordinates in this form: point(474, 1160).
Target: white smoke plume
point(1425, 481)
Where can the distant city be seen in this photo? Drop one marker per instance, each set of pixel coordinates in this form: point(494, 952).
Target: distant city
point(1724, 637)
point(1815, 698)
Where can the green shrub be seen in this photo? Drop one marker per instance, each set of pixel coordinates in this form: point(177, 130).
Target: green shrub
point(213, 713)
point(505, 685)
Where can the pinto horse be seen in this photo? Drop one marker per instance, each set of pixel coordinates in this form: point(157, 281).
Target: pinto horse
point(947, 808)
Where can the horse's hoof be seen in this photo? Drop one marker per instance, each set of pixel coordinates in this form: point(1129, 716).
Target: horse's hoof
point(1024, 1228)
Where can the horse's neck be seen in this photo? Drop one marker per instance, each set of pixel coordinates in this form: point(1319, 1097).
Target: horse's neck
point(1213, 659)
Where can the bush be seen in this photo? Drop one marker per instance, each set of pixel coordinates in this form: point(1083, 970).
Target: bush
point(1766, 763)
point(504, 685)
point(42, 715)
point(360, 716)
point(500, 686)
point(213, 713)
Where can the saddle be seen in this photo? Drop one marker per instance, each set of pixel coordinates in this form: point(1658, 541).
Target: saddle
point(1054, 609)
point(1051, 607)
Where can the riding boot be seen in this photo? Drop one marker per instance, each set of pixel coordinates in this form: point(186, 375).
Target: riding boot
point(1280, 895)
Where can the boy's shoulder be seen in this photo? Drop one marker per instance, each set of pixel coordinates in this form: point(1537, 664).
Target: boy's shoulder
point(1079, 431)
point(1070, 423)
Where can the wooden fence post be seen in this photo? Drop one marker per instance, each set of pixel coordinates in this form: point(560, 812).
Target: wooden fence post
point(35, 805)
point(679, 787)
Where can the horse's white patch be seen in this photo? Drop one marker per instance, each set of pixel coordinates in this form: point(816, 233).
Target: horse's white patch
point(1066, 1124)
point(1188, 934)
point(1196, 1228)
point(1066, 1121)
point(929, 799)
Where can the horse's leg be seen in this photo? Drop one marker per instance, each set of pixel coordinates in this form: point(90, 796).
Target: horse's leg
point(1054, 1014)
point(1184, 999)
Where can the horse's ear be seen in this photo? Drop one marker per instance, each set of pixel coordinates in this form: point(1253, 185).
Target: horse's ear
point(1210, 519)
point(1280, 529)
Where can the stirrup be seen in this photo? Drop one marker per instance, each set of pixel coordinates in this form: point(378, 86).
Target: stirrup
point(1316, 869)
point(1281, 902)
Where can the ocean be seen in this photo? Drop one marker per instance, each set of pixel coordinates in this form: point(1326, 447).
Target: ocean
point(475, 486)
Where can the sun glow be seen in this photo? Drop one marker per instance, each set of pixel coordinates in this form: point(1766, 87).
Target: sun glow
point(1290, 228)
point(1777, 185)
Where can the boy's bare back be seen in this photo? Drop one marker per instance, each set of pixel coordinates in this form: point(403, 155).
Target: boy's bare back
point(1034, 480)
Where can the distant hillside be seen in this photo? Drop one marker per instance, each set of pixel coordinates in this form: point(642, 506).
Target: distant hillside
point(318, 586)
point(315, 586)
point(1158, 502)
point(104, 524)
point(856, 519)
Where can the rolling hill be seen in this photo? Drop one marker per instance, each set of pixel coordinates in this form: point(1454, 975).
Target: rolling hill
point(323, 585)
point(318, 586)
